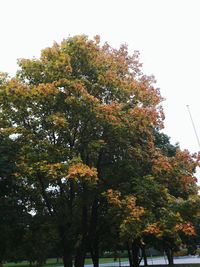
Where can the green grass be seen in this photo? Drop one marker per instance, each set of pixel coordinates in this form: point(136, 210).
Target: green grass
point(104, 260)
point(53, 262)
point(49, 263)
point(20, 264)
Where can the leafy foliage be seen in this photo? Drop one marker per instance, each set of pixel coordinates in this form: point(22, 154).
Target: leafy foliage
point(90, 157)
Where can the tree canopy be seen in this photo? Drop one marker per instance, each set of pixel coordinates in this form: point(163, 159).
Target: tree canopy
point(89, 159)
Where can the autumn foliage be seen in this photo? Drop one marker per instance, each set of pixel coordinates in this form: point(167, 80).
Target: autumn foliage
point(91, 159)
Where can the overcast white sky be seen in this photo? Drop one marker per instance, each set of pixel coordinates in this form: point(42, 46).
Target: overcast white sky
point(166, 32)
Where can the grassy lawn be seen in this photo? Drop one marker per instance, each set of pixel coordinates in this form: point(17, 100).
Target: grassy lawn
point(105, 260)
point(49, 263)
point(53, 262)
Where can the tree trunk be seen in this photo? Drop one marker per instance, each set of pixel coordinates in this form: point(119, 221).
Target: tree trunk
point(135, 254)
point(67, 260)
point(93, 231)
point(129, 255)
point(170, 258)
point(144, 255)
point(66, 227)
point(80, 257)
point(81, 250)
point(94, 250)
point(93, 234)
point(67, 248)
point(95, 260)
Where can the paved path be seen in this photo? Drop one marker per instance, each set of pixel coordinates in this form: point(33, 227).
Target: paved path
point(154, 261)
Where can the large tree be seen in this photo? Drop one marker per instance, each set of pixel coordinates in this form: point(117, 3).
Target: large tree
point(83, 115)
point(84, 119)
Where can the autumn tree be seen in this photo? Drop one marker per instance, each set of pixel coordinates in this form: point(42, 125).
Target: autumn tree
point(79, 113)
point(174, 170)
point(169, 184)
point(84, 118)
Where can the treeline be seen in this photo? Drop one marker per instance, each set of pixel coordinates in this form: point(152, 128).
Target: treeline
point(84, 165)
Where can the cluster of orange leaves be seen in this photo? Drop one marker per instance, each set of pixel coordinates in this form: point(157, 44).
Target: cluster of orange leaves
point(152, 228)
point(187, 228)
point(126, 206)
point(82, 171)
point(134, 211)
point(186, 162)
point(110, 112)
point(114, 198)
point(179, 168)
point(161, 164)
point(143, 117)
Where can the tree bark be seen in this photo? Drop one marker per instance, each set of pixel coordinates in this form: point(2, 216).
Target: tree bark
point(144, 255)
point(80, 257)
point(135, 254)
point(129, 255)
point(93, 230)
point(81, 250)
point(93, 234)
point(170, 258)
point(67, 247)
point(67, 259)
point(94, 250)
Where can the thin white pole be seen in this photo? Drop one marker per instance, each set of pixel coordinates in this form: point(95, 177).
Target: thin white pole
point(193, 125)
